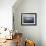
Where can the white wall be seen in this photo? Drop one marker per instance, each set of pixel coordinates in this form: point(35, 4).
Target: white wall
point(43, 22)
point(31, 32)
point(6, 13)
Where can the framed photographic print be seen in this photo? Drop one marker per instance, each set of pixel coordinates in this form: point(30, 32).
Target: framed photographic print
point(28, 19)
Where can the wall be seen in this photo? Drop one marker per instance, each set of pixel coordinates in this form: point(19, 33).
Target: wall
point(29, 32)
point(6, 13)
point(43, 22)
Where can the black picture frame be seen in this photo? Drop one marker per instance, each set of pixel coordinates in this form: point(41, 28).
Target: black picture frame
point(29, 19)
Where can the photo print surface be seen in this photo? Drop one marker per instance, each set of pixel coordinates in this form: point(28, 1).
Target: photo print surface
point(28, 19)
